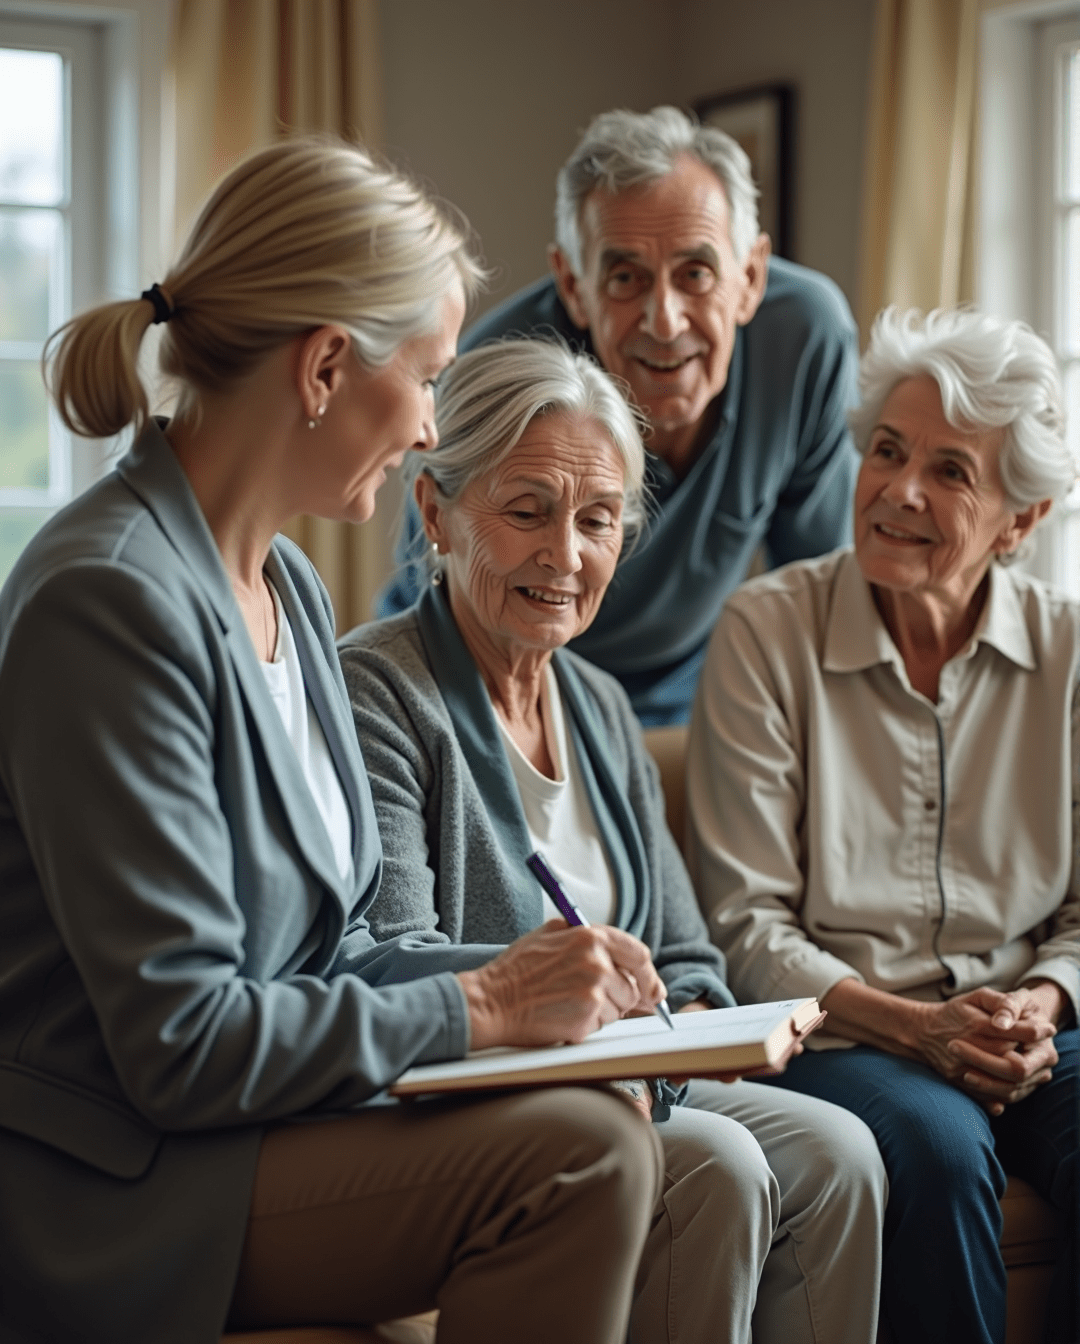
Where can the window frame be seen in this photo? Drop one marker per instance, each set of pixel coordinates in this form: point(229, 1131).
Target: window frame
point(105, 109)
point(1054, 37)
point(1055, 204)
point(1019, 255)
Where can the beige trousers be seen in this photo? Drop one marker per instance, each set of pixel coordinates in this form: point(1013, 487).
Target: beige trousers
point(522, 1218)
point(769, 1224)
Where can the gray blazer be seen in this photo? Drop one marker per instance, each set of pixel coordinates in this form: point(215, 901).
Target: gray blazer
point(180, 961)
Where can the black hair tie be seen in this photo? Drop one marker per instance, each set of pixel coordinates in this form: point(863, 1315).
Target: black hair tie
point(163, 308)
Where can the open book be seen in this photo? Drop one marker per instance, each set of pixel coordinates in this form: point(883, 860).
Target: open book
point(759, 1036)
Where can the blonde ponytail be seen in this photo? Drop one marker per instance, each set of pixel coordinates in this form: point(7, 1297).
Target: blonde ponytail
point(298, 236)
point(91, 369)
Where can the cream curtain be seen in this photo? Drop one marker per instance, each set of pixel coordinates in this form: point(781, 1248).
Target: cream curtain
point(245, 72)
point(919, 197)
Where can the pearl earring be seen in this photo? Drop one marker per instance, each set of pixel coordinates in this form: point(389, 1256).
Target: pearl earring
point(314, 424)
point(437, 576)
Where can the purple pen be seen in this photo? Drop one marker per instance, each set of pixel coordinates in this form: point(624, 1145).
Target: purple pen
point(538, 867)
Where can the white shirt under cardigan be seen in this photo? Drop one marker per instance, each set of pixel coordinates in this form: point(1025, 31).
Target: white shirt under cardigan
point(842, 824)
point(285, 682)
point(559, 815)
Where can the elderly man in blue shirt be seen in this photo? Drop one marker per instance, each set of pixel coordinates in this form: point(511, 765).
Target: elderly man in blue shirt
point(744, 366)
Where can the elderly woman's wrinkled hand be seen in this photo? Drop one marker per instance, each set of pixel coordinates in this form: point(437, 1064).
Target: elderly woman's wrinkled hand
point(996, 1046)
point(1008, 1061)
point(559, 984)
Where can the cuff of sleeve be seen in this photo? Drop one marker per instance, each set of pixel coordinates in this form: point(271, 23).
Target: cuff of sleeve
point(1064, 974)
point(452, 1042)
point(812, 975)
point(686, 988)
point(665, 1095)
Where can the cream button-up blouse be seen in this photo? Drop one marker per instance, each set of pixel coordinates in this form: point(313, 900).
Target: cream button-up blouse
point(841, 824)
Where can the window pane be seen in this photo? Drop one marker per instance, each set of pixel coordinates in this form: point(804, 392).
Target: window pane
point(1071, 124)
point(1070, 288)
point(1071, 379)
point(31, 126)
point(30, 242)
point(24, 428)
point(16, 529)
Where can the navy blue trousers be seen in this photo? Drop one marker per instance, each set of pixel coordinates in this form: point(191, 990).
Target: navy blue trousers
point(942, 1276)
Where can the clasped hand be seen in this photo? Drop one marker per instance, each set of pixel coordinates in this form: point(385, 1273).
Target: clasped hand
point(996, 1046)
point(559, 984)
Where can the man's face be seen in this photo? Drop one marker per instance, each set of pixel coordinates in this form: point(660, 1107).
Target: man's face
point(661, 293)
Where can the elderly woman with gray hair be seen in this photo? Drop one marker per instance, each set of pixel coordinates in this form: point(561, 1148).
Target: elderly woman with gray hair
point(883, 793)
point(485, 739)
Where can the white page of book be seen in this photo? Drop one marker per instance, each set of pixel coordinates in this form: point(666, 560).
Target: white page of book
point(630, 1036)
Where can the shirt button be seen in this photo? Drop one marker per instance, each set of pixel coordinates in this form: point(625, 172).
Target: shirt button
point(930, 804)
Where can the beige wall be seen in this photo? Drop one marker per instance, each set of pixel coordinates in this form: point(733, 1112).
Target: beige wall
point(824, 48)
point(485, 98)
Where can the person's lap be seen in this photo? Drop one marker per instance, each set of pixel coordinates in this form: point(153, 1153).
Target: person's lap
point(820, 1280)
point(479, 1208)
point(946, 1160)
point(711, 1233)
point(390, 1212)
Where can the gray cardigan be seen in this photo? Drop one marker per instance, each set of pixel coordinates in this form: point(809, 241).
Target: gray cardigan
point(450, 817)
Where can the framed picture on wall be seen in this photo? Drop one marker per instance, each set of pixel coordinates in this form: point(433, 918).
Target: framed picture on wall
point(761, 119)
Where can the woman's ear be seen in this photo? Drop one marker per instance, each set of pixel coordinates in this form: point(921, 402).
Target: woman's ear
point(321, 361)
point(1023, 524)
point(429, 503)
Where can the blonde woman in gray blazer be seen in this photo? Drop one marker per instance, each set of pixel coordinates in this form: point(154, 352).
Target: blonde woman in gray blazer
point(188, 846)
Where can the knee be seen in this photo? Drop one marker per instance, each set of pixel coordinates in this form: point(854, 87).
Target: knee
point(718, 1165)
point(634, 1151)
point(719, 1192)
point(846, 1153)
point(594, 1136)
point(942, 1157)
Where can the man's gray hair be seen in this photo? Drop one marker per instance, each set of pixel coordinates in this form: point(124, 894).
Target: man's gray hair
point(626, 149)
point(992, 374)
point(489, 397)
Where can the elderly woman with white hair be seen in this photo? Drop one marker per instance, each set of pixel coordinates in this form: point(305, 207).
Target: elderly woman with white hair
point(884, 780)
point(486, 739)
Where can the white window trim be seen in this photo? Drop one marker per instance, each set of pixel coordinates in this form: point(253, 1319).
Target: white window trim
point(102, 44)
point(78, 212)
point(1017, 241)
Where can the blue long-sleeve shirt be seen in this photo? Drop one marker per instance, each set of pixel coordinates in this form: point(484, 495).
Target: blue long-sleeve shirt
point(778, 471)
